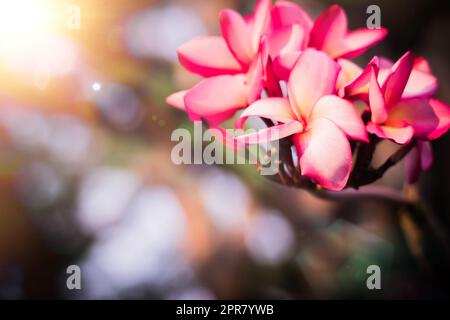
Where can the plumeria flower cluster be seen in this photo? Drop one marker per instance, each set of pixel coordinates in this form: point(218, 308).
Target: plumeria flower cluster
point(280, 46)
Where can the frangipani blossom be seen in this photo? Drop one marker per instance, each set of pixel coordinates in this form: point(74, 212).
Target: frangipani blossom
point(421, 81)
point(350, 71)
point(329, 34)
point(286, 14)
point(239, 60)
point(399, 99)
point(256, 52)
point(234, 51)
point(320, 122)
point(233, 65)
point(288, 35)
point(280, 43)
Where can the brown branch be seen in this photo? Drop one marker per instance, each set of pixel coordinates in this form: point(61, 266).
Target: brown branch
point(367, 176)
point(395, 158)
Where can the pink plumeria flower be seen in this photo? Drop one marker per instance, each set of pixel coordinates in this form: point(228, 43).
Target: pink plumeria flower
point(350, 71)
point(319, 121)
point(288, 18)
point(421, 82)
point(289, 32)
point(232, 64)
point(399, 98)
point(330, 34)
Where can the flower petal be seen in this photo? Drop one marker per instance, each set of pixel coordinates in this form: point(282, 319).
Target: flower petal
point(418, 113)
point(358, 41)
point(324, 154)
point(421, 64)
point(367, 83)
point(420, 84)
point(216, 95)
point(277, 109)
point(284, 63)
point(359, 84)
point(255, 79)
point(385, 63)
point(442, 112)
point(329, 31)
point(208, 57)
point(401, 135)
point(260, 22)
point(396, 82)
point(376, 99)
point(273, 133)
point(176, 99)
point(285, 14)
point(219, 118)
point(237, 35)
point(272, 81)
point(285, 40)
point(227, 138)
point(313, 76)
point(350, 71)
point(343, 114)
point(330, 34)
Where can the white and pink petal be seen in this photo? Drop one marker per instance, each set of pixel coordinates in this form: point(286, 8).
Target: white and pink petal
point(208, 57)
point(401, 134)
point(313, 76)
point(217, 95)
point(343, 113)
point(237, 35)
point(324, 154)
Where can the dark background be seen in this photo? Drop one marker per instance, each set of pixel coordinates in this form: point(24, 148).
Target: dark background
point(86, 176)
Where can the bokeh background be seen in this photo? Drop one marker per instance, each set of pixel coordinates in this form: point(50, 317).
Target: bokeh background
point(86, 176)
